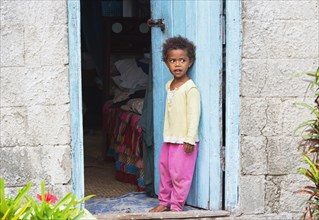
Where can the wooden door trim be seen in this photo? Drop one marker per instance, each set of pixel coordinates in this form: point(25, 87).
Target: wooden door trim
point(76, 98)
point(232, 135)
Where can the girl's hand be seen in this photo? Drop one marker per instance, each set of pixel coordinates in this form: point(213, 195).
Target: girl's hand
point(188, 148)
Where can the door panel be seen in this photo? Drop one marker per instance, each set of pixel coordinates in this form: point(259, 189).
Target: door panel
point(199, 21)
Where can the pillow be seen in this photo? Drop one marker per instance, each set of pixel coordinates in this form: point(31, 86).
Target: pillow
point(132, 76)
point(117, 81)
point(144, 64)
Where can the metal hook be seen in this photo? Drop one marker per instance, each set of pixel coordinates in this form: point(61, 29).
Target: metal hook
point(156, 23)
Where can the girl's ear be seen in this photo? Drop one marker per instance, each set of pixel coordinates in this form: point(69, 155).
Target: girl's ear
point(190, 63)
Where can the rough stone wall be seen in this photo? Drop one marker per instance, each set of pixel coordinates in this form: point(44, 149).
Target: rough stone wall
point(34, 95)
point(279, 39)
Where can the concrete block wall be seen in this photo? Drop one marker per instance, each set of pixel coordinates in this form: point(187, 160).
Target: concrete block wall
point(34, 95)
point(279, 40)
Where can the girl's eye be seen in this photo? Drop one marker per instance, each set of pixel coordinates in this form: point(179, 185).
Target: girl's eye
point(182, 60)
point(172, 60)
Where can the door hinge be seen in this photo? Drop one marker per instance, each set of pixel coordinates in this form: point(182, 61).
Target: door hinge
point(223, 28)
point(156, 23)
point(222, 158)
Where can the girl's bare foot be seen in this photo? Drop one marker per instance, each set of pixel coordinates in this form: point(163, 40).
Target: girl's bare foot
point(159, 208)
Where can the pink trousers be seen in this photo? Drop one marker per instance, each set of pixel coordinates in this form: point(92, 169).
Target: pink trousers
point(176, 174)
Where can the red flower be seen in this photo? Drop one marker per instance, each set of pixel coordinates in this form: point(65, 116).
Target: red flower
point(48, 198)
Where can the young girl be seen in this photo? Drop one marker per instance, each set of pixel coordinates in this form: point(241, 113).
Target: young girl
point(179, 150)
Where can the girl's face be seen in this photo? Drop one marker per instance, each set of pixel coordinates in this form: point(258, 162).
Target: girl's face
point(178, 63)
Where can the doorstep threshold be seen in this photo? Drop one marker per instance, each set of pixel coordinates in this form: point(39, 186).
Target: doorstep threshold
point(191, 214)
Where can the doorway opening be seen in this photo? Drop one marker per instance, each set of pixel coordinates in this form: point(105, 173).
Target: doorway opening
point(115, 53)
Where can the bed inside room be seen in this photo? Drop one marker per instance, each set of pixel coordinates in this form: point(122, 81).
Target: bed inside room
point(116, 43)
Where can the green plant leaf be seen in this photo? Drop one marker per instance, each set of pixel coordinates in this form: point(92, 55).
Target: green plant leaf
point(27, 214)
point(76, 214)
point(313, 169)
point(42, 191)
point(35, 208)
point(85, 198)
point(3, 204)
point(6, 213)
point(309, 73)
point(302, 170)
point(307, 173)
point(21, 195)
point(304, 125)
point(62, 201)
point(312, 109)
point(11, 208)
point(16, 209)
point(22, 211)
point(68, 206)
point(310, 136)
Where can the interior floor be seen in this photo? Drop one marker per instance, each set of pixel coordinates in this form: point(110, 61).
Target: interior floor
point(99, 172)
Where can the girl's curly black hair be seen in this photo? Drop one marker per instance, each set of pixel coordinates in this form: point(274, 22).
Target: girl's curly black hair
point(179, 42)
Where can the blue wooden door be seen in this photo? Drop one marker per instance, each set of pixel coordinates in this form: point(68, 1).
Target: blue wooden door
point(199, 21)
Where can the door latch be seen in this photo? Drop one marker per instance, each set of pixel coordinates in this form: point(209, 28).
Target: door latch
point(156, 23)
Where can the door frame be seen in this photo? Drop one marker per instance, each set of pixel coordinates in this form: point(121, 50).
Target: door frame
point(232, 114)
point(74, 26)
point(233, 60)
